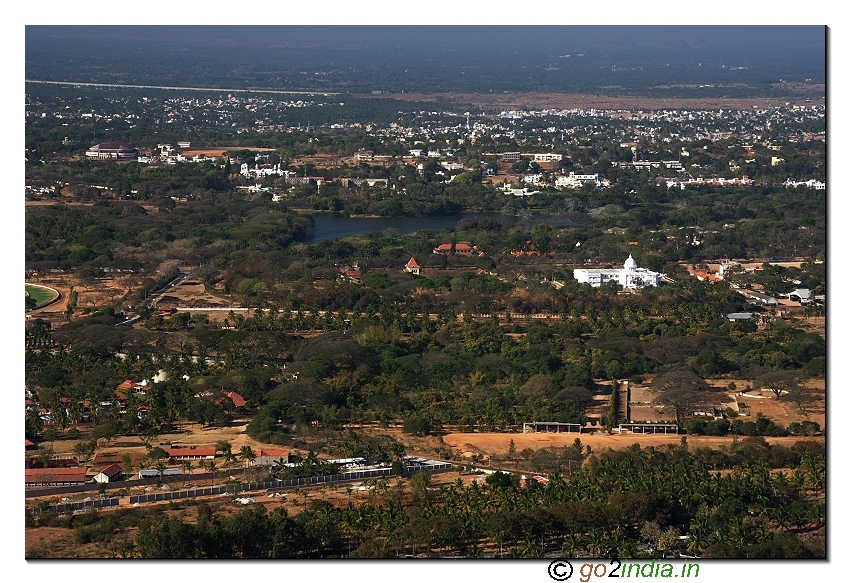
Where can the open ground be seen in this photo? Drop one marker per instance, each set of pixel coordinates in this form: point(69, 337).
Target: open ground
point(496, 444)
point(797, 94)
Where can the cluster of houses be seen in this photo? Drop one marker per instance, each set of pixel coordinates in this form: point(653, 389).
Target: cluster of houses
point(171, 155)
point(560, 181)
point(66, 470)
point(692, 182)
point(129, 395)
point(815, 184)
point(801, 295)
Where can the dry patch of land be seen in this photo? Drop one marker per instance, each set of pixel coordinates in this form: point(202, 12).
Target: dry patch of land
point(497, 444)
point(189, 434)
point(93, 294)
point(220, 151)
point(797, 95)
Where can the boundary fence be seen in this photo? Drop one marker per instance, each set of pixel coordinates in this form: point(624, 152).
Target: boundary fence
point(236, 488)
point(74, 506)
point(652, 428)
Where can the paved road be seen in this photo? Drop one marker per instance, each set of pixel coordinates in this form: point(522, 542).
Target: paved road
point(154, 297)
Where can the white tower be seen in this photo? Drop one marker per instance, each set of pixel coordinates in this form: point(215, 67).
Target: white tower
point(628, 274)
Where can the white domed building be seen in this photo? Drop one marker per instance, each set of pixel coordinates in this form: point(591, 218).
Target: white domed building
point(113, 151)
point(630, 276)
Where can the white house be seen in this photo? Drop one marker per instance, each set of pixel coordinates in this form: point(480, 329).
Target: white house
point(801, 295)
point(576, 180)
point(268, 457)
point(630, 276)
point(111, 473)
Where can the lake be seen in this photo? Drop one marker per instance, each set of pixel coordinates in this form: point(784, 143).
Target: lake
point(336, 226)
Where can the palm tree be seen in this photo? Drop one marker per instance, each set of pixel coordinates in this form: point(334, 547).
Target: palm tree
point(572, 544)
point(698, 534)
point(530, 548)
point(229, 458)
point(247, 454)
point(34, 423)
point(211, 467)
point(160, 471)
point(596, 544)
point(398, 450)
point(75, 413)
point(616, 545)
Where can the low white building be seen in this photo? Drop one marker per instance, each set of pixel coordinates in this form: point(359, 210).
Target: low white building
point(630, 276)
point(816, 184)
point(111, 473)
point(577, 180)
point(547, 157)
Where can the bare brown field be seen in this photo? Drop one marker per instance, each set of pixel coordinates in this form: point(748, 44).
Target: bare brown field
point(497, 444)
point(192, 294)
point(533, 100)
point(93, 294)
point(190, 434)
point(219, 151)
point(108, 291)
point(815, 324)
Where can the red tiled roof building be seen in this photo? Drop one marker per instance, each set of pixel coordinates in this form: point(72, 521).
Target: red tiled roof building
point(412, 267)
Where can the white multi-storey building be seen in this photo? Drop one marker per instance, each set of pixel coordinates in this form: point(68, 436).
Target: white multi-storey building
point(630, 276)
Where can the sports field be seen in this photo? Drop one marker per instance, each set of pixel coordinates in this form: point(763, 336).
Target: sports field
point(40, 294)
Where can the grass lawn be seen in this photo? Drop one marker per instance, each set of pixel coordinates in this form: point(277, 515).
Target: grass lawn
point(40, 295)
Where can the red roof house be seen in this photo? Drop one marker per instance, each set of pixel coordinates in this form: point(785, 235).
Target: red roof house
point(54, 476)
point(238, 400)
point(412, 266)
point(462, 248)
point(353, 275)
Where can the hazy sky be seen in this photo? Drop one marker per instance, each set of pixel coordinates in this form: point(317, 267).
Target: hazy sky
point(447, 37)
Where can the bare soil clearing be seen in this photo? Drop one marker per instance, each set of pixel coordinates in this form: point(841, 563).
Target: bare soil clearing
point(190, 434)
point(219, 152)
point(95, 294)
point(497, 443)
point(797, 95)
